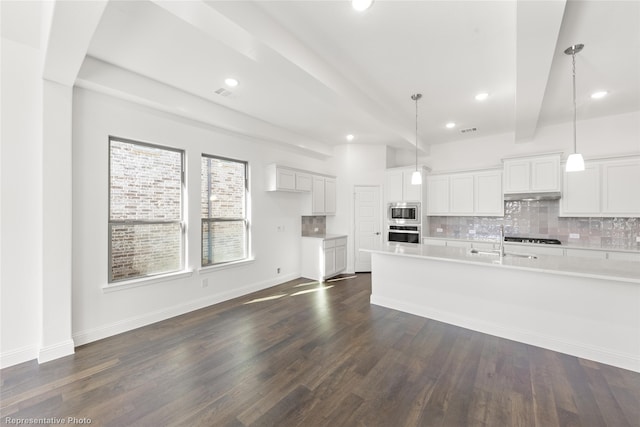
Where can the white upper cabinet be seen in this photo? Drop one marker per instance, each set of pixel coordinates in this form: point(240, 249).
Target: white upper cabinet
point(281, 178)
point(488, 200)
point(438, 193)
point(581, 192)
point(320, 198)
point(465, 194)
point(330, 196)
point(398, 187)
point(606, 188)
point(532, 174)
point(323, 196)
point(303, 181)
point(462, 197)
point(621, 188)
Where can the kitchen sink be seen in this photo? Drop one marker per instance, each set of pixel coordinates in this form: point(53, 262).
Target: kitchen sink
point(497, 252)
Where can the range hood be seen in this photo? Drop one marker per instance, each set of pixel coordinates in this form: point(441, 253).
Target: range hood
point(549, 195)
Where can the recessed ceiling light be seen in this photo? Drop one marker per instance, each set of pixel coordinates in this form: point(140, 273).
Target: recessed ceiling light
point(231, 82)
point(482, 96)
point(361, 5)
point(350, 137)
point(598, 95)
point(450, 125)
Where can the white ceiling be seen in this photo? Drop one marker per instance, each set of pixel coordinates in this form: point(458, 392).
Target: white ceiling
point(313, 71)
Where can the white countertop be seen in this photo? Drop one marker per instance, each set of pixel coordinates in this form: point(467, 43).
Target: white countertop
point(326, 236)
point(625, 271)
point(565, 246)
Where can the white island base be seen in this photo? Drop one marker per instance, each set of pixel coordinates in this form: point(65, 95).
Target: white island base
point(589, 317)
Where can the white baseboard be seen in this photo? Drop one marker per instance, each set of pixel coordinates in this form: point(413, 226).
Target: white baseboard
point(17, 356)
point(94, 334)
point(56, 351)
point(585, 351)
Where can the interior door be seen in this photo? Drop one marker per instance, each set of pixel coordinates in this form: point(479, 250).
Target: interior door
point(367, 212)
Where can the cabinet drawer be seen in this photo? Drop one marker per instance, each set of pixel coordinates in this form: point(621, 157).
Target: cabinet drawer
point(329, 243)
point(341, 241)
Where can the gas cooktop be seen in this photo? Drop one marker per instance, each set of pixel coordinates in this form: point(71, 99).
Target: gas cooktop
point(532, 240)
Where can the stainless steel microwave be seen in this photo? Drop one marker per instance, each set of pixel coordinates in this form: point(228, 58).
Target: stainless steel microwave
point(403, 213)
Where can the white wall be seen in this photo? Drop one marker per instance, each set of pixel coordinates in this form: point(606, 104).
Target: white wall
point(21, 191)
point(612, 135)
point(354, 164)
point(97, 313)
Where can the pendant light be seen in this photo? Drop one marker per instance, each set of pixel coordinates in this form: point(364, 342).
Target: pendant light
point(575, 162)
point(416, 177)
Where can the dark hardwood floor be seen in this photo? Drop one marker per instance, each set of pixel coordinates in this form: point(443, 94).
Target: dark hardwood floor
point(315, 355)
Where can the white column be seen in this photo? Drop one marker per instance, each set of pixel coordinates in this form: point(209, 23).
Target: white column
point(56, 340)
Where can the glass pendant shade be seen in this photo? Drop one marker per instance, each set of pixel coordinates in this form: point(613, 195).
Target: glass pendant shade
point(575, 163)
point(416, 178)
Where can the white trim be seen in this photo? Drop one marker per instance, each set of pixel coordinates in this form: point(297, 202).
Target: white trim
point(134, 283)
point(224, 266)
point(17, 356)
point(598, 354)
point(56, 351)
point(87, 336)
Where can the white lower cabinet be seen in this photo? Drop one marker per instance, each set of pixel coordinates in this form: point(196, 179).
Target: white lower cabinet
point(535, 249)
point(624, 256)
point(585, 253)
point(323, 257)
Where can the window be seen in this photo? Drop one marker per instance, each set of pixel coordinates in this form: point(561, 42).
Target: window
point(223, 201)
point(146, 233)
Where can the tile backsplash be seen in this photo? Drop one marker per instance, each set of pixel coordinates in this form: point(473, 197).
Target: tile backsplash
point(314, 225)
point(540, 219)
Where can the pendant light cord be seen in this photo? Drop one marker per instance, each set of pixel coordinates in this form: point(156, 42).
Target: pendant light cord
point(417, 133)
point(575, 114)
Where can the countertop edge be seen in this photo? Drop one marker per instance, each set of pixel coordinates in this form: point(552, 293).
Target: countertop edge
point(514, 267)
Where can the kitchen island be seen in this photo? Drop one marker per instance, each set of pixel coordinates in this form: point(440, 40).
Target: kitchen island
point(584, 307)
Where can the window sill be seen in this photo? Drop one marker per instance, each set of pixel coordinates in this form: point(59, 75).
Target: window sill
point(128, 284)
point(232, 264)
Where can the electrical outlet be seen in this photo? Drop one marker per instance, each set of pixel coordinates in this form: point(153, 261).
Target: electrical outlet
point(472, 231)
point(278, 270)
point(439, 230)
point(637, 239)
point(205, 282)
point(574, 235)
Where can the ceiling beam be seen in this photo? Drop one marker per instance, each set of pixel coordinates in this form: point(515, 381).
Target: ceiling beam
point(70, 26)
point(537, 30)
point(114, 81)
point(271, 44)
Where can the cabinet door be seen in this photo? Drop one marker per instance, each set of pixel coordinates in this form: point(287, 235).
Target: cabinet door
point(488, 196)
point(621, 192)
point(438, 195)
point(393, 186)
point(585, 253)
point(303, 181)
point(341, 258)
point(545, 174)
point(285, 179)
point(330, 196)
point(461, 194)
point(317, 195)
point(517, 176)
point(581, 192)
point(410, 192)
point(624, 256)
point(329, 261)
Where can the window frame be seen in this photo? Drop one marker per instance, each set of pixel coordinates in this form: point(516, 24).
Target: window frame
point(181, 222)
point(210, 220)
